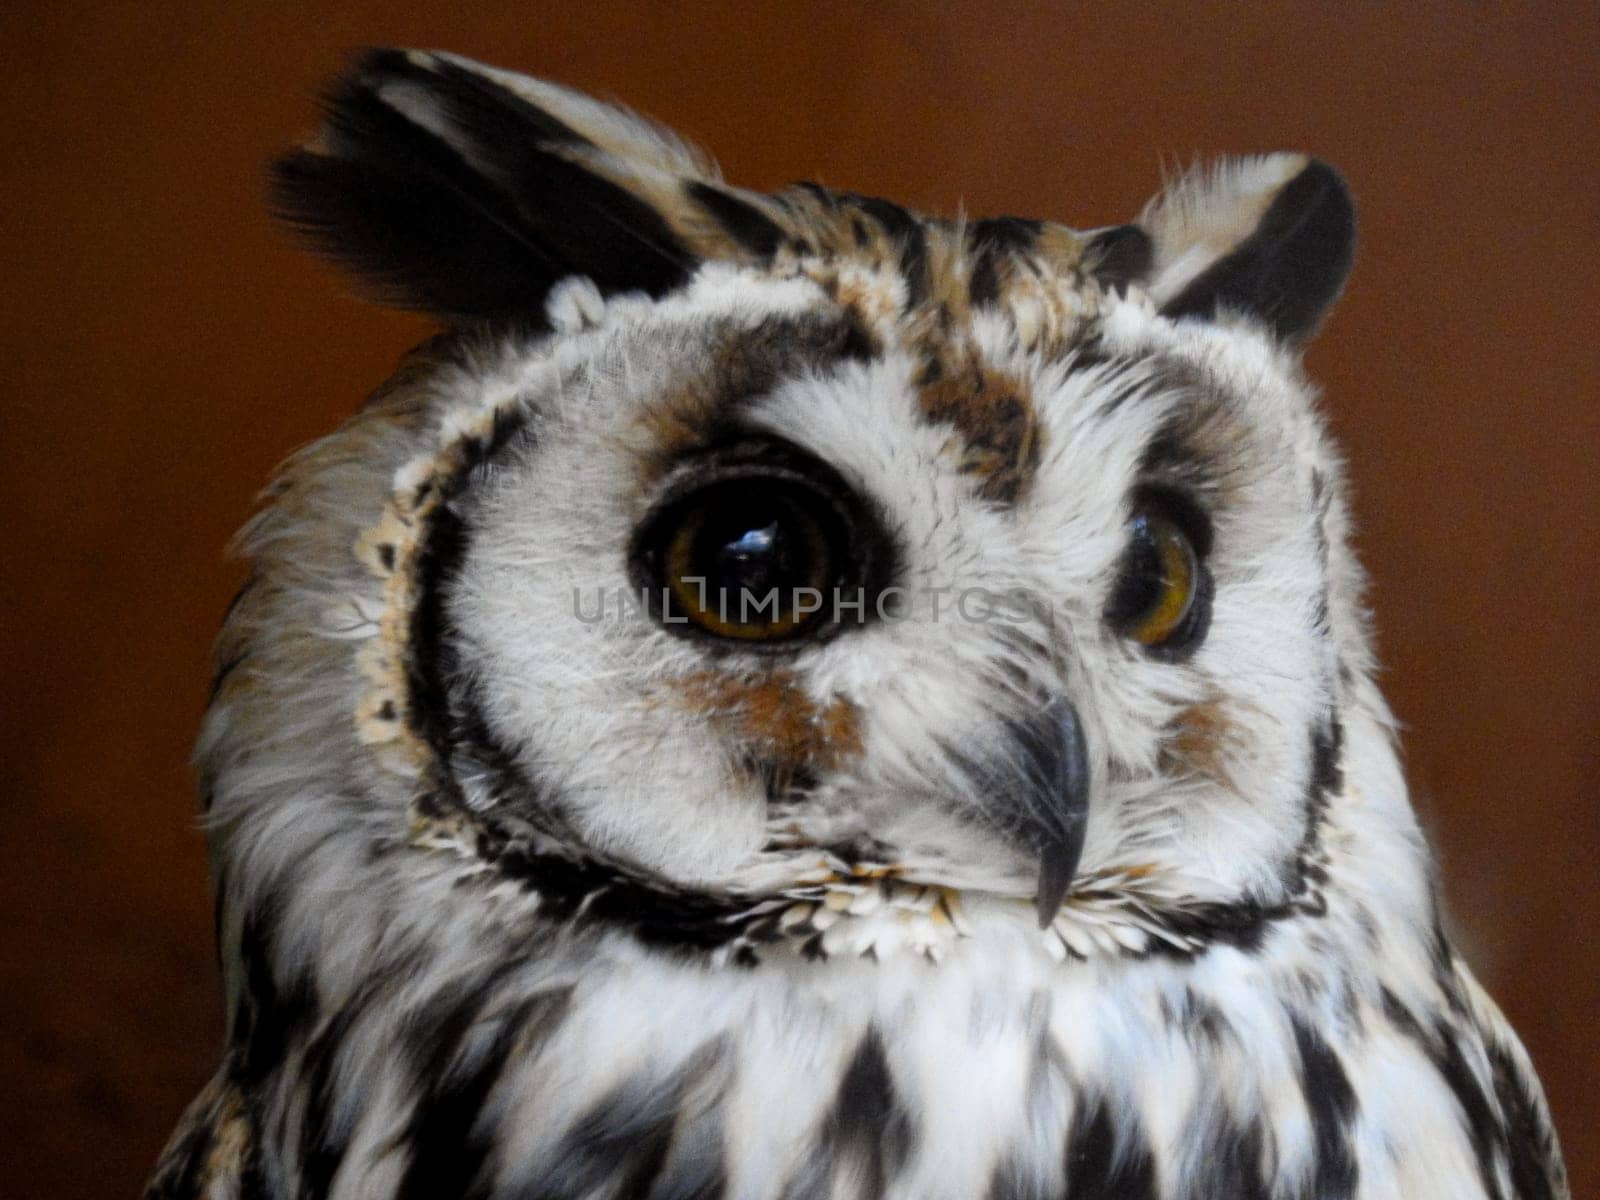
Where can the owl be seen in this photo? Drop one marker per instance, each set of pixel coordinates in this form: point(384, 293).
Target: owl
point(784, 698)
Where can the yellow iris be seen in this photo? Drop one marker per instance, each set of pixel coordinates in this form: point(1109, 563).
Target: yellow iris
point(1173, 587)
point(752, 580)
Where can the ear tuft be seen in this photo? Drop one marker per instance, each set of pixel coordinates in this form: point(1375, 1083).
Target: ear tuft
point(1119, 255)
point(467, 192)
point(1270, 238)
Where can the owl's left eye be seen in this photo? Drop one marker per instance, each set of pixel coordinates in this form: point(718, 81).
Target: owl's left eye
point(1162, 599)
point(756, 554)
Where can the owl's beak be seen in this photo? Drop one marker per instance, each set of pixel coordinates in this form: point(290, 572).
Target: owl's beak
point(1049, 788)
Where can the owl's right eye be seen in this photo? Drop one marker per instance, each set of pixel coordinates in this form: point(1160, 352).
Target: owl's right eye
point(755, 554)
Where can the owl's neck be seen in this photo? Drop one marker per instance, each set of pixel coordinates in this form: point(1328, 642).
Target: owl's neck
point(819, 902)
point(1155, 1012)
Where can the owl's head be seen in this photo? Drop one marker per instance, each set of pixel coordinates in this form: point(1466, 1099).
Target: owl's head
point(729, 545)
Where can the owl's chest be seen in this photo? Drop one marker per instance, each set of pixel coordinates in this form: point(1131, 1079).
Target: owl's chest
point(997, 1072)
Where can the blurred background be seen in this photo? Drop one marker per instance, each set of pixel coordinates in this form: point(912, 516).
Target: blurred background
point(162, 347)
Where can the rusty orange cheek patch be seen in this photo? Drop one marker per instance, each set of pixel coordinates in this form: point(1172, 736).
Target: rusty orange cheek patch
point(1202, 741)
point(773, 719)
point(992, 411)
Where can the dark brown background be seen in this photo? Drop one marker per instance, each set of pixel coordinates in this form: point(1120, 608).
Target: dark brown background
point(163, 348)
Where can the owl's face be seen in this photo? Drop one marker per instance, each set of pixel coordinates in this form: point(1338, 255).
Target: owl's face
point(737, 540)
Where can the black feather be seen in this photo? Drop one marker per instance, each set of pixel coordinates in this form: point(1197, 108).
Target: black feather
point(1292, 267)
point(441, 190)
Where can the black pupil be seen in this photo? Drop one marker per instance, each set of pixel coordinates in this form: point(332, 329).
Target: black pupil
point(754, 544)
point(1144, 575)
